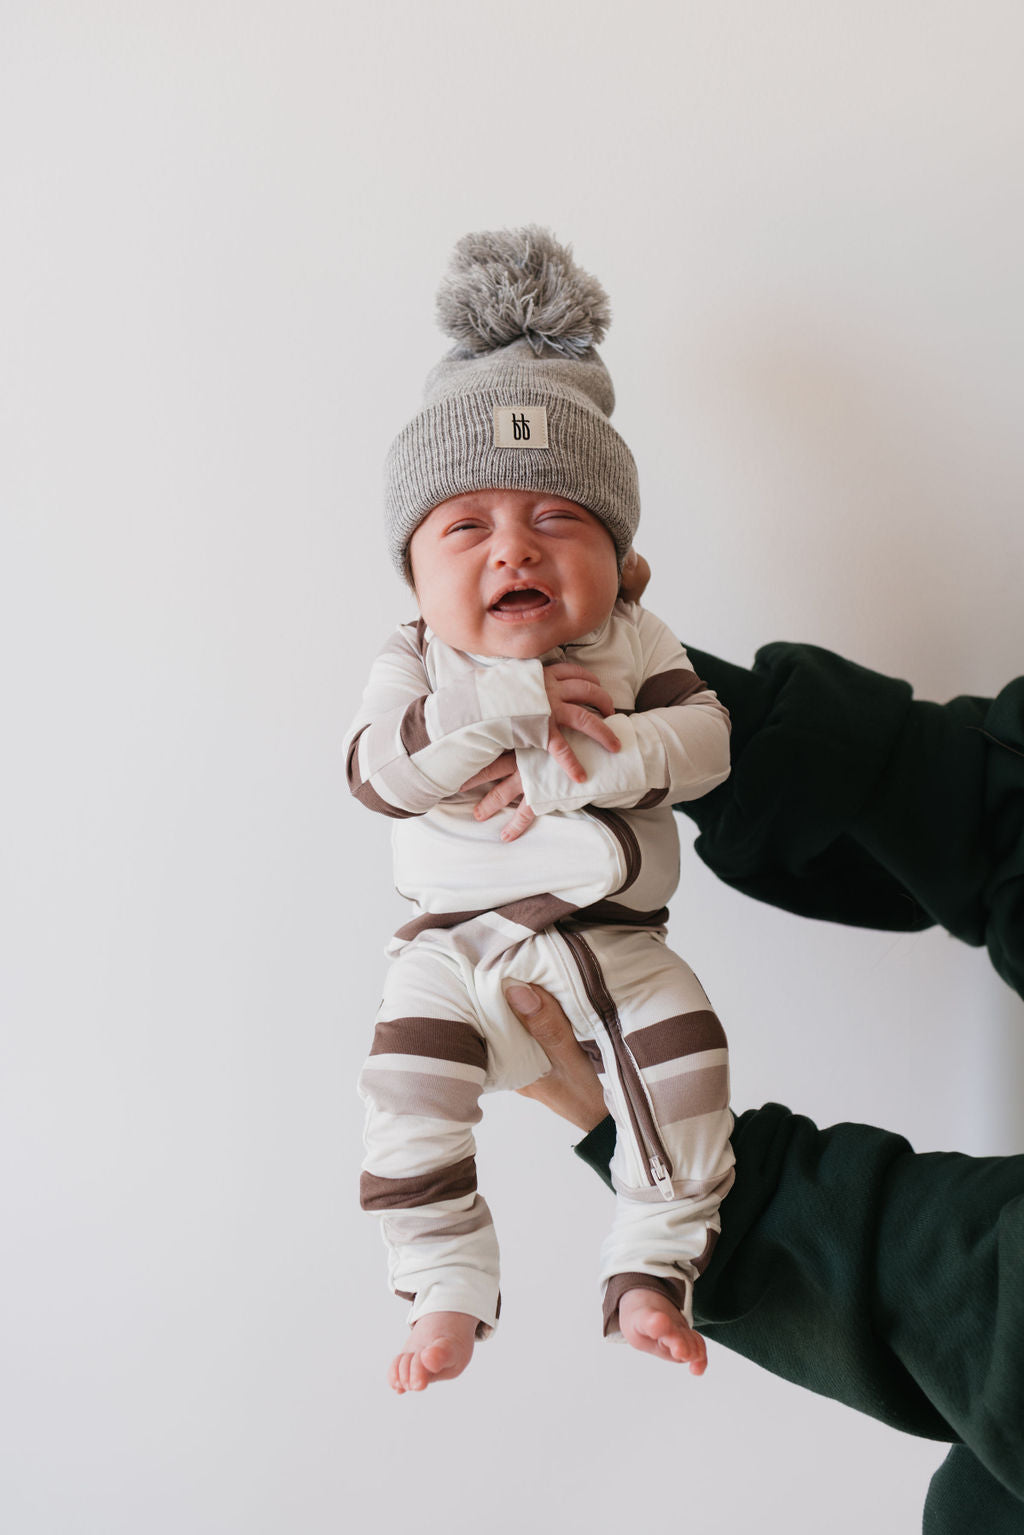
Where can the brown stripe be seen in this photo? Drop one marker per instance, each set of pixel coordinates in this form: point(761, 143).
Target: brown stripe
point(668, 689)
point(415, 1228)
point(367, 795)
point(352, 763)
point(592, 1051)
point(626, 838)
point(364, 791)
point(422, 1094)
point(452, 1182)
point(442, 1039)
point(690, 1094)
point(421, 636)
point(651, 798)
point(701, 1263)
point(673, 1038)
point(413, 729)
point(617, 915)
point(673, 1289)
point(536, 911)
point(436, 919)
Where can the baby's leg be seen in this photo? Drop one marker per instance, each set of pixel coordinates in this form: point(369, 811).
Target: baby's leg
point(666, 1077)
point(421, 1085)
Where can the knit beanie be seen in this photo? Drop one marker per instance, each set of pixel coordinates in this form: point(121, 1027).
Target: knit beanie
point(522, 400)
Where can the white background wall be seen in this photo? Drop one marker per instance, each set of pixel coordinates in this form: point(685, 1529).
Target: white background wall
point(222, 229)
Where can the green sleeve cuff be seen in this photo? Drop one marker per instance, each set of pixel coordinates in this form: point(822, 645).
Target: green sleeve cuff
point(596, 1148)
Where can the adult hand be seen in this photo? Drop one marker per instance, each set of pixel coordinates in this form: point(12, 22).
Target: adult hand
point(573, 694)
point(571, 1087)
point(635, 575)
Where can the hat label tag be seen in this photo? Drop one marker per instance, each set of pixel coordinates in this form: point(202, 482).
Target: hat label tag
point(520, 426)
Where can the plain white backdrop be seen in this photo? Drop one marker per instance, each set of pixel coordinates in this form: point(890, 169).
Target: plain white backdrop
point(223, 225)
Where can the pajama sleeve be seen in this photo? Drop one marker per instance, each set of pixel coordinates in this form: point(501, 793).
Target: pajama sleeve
point(410, 747)
point(674, 745)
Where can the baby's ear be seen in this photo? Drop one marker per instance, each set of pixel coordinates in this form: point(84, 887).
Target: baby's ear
point(635, 575)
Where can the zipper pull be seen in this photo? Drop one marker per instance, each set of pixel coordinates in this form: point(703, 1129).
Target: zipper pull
point(659, 1172)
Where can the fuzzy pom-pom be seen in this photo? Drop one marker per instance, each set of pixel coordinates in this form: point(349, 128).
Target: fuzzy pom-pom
point(507, 284)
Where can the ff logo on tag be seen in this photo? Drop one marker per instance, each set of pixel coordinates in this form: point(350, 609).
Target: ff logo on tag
point(520, 426)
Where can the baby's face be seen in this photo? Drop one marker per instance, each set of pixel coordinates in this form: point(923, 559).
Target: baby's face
point(512, 572)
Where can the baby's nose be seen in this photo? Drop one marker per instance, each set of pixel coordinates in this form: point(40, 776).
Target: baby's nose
point(514, 548)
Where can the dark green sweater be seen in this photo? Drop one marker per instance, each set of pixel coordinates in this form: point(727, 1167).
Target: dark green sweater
point(847, 1263)
point(852, 801)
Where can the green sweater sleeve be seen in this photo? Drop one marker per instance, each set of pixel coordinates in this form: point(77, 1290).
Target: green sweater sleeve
point(853, 802)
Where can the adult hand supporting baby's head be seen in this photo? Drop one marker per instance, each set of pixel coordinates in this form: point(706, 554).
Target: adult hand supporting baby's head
point(635, 575)
point(570, 1088)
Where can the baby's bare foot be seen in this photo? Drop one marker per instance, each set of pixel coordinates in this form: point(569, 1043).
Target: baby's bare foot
point(651, 1323)
point(439, 1347)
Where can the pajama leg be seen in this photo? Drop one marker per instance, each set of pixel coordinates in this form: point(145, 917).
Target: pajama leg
point(421, 1085)
point(666, 1080)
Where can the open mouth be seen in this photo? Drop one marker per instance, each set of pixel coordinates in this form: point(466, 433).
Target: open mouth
point(521, 602)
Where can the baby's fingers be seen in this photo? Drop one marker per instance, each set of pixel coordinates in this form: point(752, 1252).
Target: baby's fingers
point(499, 798)
point(582, 690)
point(501, 766)
point(577, 718)
point(521, 821)
point(559, 748)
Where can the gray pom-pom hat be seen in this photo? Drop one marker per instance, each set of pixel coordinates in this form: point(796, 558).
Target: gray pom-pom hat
point(522, 401)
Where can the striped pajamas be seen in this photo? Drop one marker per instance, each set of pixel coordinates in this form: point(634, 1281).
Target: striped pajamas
point(576, 905)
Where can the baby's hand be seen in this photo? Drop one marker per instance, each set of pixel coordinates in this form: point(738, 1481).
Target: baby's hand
point(508, 790)
point(439, 1347)
point(574, 693)
point(651, 1323)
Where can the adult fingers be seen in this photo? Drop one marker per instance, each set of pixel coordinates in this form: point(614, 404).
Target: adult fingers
point(571, 1087)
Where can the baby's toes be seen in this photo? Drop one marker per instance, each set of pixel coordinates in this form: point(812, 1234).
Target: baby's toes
point(680, 1345)
point(693, 1352)
point(658, 1326)
point(437, 1356)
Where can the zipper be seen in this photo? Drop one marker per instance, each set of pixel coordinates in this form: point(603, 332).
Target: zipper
point(653, 1153)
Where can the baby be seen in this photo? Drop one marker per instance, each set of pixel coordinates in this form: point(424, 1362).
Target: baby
point(529, 698)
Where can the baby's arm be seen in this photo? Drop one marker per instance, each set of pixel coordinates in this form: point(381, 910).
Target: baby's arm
point(571, 700)
point(674, 745)
point(410, 747)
